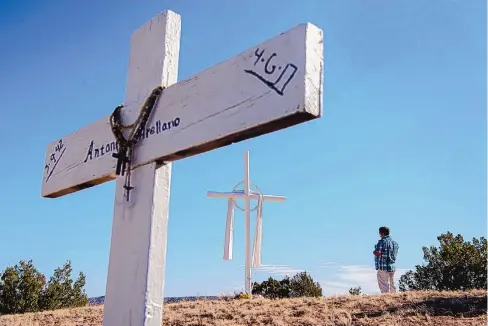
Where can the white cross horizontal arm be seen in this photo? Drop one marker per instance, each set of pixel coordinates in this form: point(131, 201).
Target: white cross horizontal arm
point(242, 195)
point(269, 87)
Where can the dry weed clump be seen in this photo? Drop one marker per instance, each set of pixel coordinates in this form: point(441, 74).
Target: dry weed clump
point(400, 309)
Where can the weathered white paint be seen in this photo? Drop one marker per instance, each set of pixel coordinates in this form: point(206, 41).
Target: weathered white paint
point(223, 104)
point(247, 195)
point(135, 282)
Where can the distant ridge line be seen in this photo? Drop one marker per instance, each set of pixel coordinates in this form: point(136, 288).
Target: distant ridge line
point(95, 301)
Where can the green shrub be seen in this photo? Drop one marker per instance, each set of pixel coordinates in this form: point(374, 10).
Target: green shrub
point(455, 265)
point(301, 285)
point(24, 289)
point(355, 291)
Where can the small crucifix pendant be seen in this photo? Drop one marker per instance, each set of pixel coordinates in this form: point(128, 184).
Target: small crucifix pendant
point(122, 161)
point(127, 188)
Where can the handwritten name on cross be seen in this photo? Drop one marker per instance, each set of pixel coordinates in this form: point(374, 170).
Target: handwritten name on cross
point(269, 87)
point(247, 195)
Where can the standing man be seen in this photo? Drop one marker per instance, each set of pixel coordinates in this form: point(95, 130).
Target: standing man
point(385, 253)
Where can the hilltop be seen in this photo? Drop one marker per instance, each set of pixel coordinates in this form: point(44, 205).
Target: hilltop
point(405, 309)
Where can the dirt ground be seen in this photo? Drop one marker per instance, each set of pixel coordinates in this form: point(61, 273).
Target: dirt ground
point(400, 309)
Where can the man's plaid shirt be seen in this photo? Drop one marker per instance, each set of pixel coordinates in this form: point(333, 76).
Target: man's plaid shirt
point(388, 250)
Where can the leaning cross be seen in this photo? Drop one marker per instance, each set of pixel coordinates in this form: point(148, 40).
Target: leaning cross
point(247, 194)
point(269, 87)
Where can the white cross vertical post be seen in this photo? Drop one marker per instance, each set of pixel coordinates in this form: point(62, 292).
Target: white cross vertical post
point(135, 280)
point(247, 224)
point(247, 195)
point(271, 86)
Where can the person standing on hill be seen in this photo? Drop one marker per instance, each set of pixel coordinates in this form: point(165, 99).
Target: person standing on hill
point(385, 252)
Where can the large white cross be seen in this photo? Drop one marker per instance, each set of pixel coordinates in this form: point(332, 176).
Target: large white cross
point(247, 195)
point(268, 87)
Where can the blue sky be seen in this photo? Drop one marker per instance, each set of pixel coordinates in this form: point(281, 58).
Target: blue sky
point(402, 140)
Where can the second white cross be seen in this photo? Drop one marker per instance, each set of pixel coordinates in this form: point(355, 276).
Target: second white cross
point(247, 195)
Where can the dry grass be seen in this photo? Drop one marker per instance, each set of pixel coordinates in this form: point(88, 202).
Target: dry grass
point(401, 309)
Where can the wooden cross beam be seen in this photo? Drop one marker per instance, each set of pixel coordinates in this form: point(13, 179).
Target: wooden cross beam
point(271, 86)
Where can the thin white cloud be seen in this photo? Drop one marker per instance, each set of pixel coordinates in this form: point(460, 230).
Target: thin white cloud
point(330, 288)
point(355, 268)
point(359, 275)
point(326, 264)
point(275, 271)
point(278, 270)
point(348, 276)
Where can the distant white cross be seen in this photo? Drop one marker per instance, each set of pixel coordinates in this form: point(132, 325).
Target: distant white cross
point(271, 86)
point(247, 195)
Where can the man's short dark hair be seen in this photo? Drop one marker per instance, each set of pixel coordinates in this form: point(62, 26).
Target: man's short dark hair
point(384, 230)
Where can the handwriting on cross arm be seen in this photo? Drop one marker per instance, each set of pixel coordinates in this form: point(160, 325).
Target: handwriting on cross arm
point(54, 158)
point(274, 76)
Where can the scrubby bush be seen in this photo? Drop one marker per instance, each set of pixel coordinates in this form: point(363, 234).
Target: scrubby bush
point(245, 296)
point(24, 289)
point(355, 291)
point(272, 289)
point(300, 285)
point(455, 265)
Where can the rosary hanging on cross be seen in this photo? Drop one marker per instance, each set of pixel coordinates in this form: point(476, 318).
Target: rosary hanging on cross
point(126, 146)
